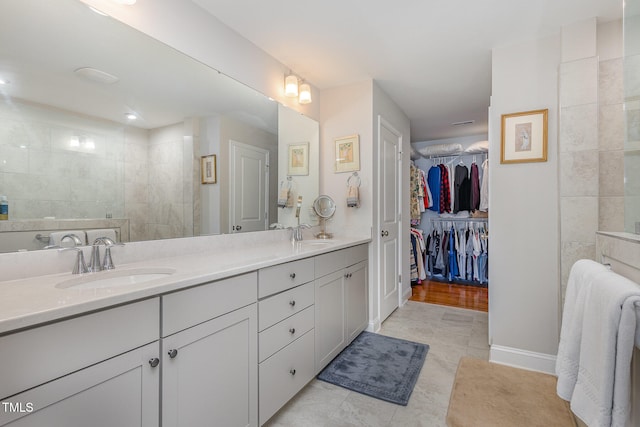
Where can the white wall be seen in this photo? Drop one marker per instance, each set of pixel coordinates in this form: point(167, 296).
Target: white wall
point(345, 111)
point(524, 220)
point(294, 128)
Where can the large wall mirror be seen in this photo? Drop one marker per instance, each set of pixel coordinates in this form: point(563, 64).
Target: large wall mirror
point(68, 150)
point(632, 116)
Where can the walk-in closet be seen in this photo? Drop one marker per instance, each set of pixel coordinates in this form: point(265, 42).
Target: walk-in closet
point(449, 224)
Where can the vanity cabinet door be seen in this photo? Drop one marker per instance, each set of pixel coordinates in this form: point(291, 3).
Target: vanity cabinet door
point(330, 318)
point(357, 299)
point(121, 391)
point(210, 372)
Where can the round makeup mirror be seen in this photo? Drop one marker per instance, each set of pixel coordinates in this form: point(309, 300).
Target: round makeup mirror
point(324, 207)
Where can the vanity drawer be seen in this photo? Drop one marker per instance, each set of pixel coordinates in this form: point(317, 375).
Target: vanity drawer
point(278, 307)
point(283, 333)
point(183, 309)
point(355, 254)
point(284, 374)
point(284, 276)
point(35, 356)
point(330, 262)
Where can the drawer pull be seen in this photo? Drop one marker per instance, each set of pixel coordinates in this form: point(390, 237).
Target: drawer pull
point(172, 353)
point(292, 303)
point(292, 275)
point(154, 362)
point(292, 372)
point(292, 331)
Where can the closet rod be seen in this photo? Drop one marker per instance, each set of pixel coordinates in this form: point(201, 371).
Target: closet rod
point(460, 219)
point(454, 155)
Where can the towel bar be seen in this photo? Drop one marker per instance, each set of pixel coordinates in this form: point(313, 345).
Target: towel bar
point(43, 238)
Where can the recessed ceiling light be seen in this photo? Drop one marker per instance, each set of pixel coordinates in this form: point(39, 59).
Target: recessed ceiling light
point(4, 81)
point(466, 122)
point(95, 75)
point(131, 116)
point(97, 11)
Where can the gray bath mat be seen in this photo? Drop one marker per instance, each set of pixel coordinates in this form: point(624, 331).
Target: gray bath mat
point(379, 366)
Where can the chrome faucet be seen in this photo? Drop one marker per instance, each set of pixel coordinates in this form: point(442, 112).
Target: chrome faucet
point(296, 232)
point(79, 266)
point(74, 238)
point(107, 264)
point(299, 205)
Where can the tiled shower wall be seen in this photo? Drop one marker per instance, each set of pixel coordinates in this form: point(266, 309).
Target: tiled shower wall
point(591, 143)
point(129, 170)
point(58, 164)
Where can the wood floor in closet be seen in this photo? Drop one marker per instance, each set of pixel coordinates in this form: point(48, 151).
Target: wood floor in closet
point(462, 296)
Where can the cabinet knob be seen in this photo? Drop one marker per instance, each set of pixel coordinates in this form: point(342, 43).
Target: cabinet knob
point(154, 362)
point(292, 372)
point(172, 353)
point(292, 303)
point(292, 275)
point(292, 331)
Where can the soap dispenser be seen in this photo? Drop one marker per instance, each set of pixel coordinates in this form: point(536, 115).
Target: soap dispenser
point(4, 208)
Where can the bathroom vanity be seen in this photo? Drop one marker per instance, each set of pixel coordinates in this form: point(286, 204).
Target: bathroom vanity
point(220, 337)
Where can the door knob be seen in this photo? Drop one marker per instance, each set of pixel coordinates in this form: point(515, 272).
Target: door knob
point(154, 362)
point(238, 227)
point(292, 331)
point(292, 303)
point(172, 353)
point(384, 233)
point(292, 372)
point(292, 275)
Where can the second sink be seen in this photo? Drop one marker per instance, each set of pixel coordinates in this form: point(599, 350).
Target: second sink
point(115, 278)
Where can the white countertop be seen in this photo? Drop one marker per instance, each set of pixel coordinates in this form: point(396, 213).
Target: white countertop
point(31, 301)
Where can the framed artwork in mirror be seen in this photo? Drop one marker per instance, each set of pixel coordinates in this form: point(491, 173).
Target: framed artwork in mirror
point(298, 159)
point(524, 137)
point(208, 173)
point(347, 154)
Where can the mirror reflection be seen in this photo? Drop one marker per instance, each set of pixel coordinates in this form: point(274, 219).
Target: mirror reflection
point(94, 137)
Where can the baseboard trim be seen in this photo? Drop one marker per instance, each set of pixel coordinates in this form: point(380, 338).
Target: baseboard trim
point(374, 325)
point(524, 359)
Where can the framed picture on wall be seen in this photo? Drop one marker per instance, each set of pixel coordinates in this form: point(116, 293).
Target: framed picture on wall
point(347, 154)
point(208, 172)
point(298, 159)
point(524, 137)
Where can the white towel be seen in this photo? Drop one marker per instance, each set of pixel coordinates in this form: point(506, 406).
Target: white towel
point(353, 196)
point(596, 344)
point(92, 235)
point(578, 286)
point(283, 195)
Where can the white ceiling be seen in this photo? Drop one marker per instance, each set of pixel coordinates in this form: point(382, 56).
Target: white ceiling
point(433, 57)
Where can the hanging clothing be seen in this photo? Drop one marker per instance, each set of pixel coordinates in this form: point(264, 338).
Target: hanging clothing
point(475, 187)
point(415, 182)
point(445, 190)
point(461, 173)
point(417, 261)
point(484, 189)
point(458, 253)
point(434, 180)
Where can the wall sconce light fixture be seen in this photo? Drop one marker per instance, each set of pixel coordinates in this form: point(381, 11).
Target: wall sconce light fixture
point(291, 86)
point(305, 94)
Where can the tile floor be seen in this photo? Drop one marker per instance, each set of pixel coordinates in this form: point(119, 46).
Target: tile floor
point(450, 333)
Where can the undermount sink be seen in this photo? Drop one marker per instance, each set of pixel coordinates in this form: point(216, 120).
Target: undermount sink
point(115, 278)
point(316, 242)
